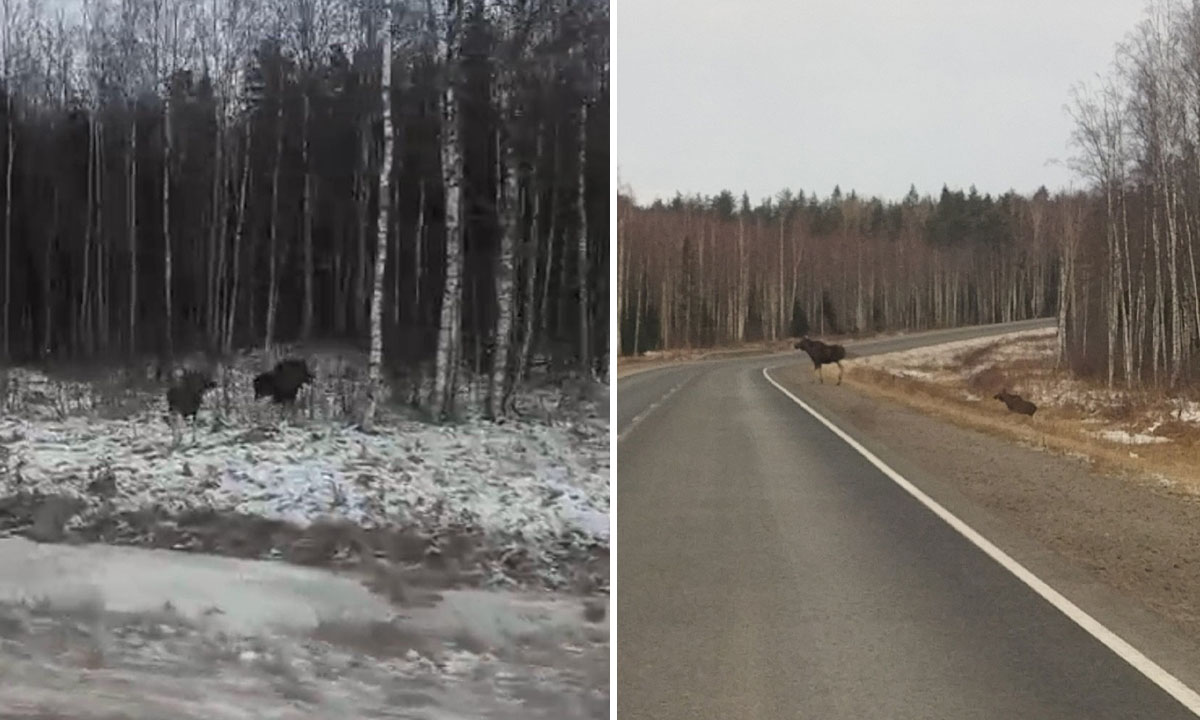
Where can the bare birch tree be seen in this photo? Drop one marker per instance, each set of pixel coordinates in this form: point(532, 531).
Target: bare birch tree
point(383, 220)
point(448, 333)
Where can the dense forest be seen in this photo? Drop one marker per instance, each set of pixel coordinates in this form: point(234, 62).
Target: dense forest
point(700, 271)
point(427, 179)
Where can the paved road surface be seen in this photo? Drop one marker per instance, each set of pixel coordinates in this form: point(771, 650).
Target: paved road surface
point(767, 570)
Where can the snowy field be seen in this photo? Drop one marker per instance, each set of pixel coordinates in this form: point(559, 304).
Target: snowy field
point(537, 484)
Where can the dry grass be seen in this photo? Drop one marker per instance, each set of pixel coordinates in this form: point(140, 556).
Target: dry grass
point(963, 392)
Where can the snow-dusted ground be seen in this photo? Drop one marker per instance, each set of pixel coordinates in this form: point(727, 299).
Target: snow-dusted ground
point(102, 632)
point(1024, 362)
point(924, 362)
point(535, 484)
point(1124, 437)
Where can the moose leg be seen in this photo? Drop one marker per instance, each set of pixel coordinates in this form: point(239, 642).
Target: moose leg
point(819, 375)
point(839, 364)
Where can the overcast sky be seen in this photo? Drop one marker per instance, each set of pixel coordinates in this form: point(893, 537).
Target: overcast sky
point(759, 95)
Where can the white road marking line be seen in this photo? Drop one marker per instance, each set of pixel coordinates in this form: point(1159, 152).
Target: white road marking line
point(1152, 670)
point(637, 419)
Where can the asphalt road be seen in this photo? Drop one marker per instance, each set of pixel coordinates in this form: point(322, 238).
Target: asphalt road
point(767, 570)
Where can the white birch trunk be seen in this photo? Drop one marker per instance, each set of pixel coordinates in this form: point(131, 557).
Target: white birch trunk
point(444, 380)
point(383, 221)
point(510, 219)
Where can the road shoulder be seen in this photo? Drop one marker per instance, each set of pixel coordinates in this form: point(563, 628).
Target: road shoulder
point(1127, 554)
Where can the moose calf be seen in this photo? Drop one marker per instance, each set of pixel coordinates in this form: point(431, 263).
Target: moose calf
point(1016, 403)
point(823, 354)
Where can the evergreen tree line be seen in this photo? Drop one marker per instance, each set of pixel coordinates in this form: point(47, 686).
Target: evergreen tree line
point(206, 174)
point(702, 271)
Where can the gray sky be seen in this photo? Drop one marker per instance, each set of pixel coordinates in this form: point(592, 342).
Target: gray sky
point(759, 95)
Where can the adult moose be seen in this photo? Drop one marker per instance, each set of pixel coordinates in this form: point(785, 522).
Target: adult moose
point(283, 381)
point(184, 397)
point(823, 354)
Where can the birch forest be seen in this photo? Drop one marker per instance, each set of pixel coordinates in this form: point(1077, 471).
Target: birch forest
point(1130, 273)
point(702, 271)
point(429, 175)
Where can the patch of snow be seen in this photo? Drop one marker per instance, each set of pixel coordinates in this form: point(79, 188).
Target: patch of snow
point(1027, 343)
point(1187, 411)
point(1063, 391)
point(1125, 437)
point(1035, 344)
point(1164, 481)
point(916, 374)
point(254, 596)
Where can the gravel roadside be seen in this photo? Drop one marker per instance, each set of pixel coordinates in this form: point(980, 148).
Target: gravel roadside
point(1126, 536)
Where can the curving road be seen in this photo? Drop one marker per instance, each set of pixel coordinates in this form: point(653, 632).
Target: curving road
point(768, 570)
